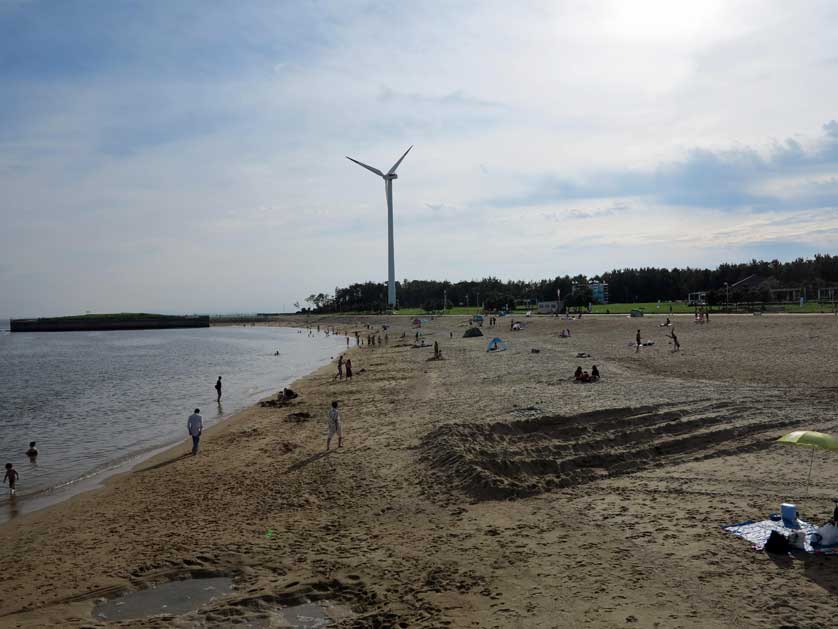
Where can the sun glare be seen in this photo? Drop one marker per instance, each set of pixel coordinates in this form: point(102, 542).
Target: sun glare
point(660, 21)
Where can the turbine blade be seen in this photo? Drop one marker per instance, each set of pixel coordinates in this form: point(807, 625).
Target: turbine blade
point(370, 168)
point(396, 165)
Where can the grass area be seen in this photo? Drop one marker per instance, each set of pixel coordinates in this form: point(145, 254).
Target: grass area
point(650, 307)
point(811, 306)
point(682, 308)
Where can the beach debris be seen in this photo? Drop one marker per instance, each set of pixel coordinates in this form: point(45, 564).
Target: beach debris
point(583, 355)
point(300, 416)
point(273, 403)
point(269, 534)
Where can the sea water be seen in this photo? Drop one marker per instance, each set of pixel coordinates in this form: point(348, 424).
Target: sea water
point(97, 402)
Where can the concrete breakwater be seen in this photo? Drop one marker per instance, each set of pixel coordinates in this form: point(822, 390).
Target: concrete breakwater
point(88, 323)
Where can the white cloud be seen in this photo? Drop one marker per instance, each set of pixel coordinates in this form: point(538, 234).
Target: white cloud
point(213, 177)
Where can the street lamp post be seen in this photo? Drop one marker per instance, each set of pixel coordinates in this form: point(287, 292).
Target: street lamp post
point(727, 297)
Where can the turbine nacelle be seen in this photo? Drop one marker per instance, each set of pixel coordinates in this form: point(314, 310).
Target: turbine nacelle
point(391, 174)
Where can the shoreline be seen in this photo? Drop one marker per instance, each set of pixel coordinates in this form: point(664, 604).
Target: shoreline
point(99, 477)
point(403, 524)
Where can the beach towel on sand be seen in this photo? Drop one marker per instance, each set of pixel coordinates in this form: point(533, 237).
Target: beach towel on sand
point(758, 532)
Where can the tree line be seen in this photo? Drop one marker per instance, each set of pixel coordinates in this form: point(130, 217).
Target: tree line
point(628, 285)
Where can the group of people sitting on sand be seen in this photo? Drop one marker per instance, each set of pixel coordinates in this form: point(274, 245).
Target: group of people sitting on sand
point(584, 376)
point(565, 334)
point(286, 395)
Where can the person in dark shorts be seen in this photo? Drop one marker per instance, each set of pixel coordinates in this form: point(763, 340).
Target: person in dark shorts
point(218, 388)
point(348, 367)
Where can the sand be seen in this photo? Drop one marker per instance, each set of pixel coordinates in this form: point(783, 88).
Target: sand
point(481, 490)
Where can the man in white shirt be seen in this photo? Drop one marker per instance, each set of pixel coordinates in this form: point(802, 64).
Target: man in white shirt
point(195, 426)
point(335, 427)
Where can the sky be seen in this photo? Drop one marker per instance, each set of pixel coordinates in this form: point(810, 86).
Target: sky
point(190, 156)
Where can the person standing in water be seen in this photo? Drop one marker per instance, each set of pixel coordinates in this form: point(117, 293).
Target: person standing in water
point(195, 426)
point(32, 452)
point(11, 477)
point(218, 388)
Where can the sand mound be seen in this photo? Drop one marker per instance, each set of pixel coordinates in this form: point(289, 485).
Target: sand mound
point(521, 458)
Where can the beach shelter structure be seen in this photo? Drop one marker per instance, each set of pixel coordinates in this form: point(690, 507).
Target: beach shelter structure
point(813, 440)
point(496, 345)
point(472, 332)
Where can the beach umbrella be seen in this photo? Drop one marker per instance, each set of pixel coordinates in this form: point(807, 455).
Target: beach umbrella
point(813, 440)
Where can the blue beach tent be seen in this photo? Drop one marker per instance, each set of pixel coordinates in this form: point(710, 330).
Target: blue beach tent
point(496, 345)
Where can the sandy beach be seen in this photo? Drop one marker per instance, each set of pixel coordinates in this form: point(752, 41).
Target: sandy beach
point(481, 490)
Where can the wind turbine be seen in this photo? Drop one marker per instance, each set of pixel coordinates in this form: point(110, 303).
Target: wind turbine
point(388, 188)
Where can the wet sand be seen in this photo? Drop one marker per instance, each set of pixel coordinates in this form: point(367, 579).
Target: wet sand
point(482, 490)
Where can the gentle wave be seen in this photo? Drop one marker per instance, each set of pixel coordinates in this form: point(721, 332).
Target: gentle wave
point(96, 401)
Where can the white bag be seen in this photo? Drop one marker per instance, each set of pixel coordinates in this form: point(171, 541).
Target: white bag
point(829, 534)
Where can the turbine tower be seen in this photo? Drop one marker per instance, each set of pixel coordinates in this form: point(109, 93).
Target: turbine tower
point(388, 189)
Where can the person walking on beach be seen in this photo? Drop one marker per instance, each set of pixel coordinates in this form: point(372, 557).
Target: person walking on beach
point(195, 426)
point(340, 368)
point(348, 366)
point(11, 478)
point(335, 427)
point(637, 349)
point(218, 388)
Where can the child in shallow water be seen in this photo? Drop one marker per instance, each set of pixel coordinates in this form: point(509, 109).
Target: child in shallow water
point(11, 477)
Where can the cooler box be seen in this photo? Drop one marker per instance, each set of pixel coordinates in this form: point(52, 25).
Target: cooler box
point(788, 512)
